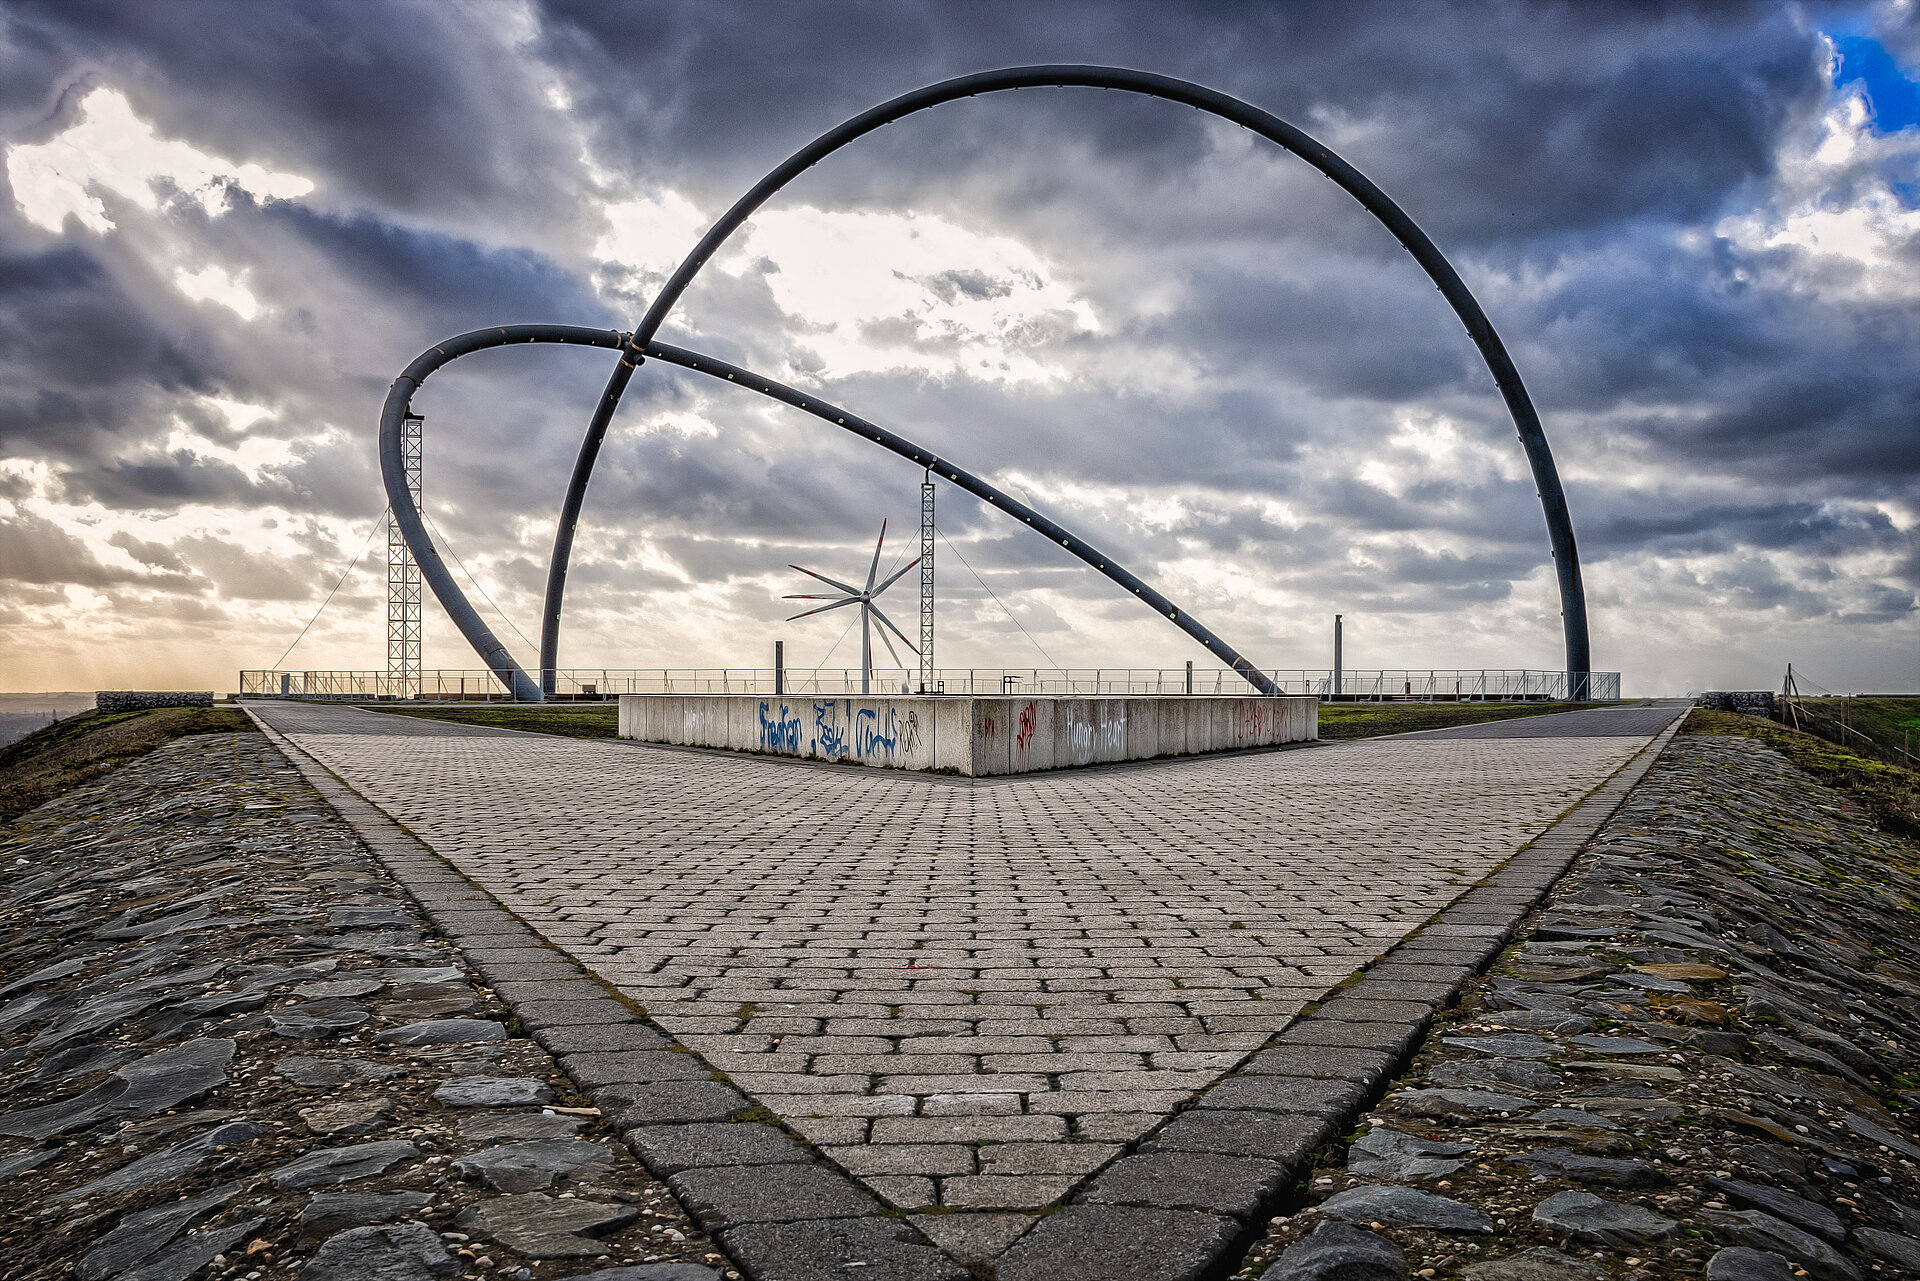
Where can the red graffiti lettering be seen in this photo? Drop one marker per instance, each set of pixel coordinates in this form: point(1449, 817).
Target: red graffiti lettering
point(1023, 739)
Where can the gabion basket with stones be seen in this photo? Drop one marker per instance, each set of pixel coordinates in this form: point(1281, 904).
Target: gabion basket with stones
point(1754, 702)
point(127, 700)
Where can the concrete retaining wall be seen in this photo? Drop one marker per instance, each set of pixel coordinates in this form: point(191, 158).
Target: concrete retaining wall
point(970, 736)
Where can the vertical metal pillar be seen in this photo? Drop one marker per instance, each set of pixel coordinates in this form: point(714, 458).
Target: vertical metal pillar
point(866, 646)
point(779, 669)
point(1189, 676)
point(926, 584)
point(403, 577)
point(1334, 686)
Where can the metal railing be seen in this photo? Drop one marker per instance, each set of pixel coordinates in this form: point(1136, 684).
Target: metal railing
point(589, 684)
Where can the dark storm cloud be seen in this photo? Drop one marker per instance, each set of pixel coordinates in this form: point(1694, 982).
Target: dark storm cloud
point(445, 283)
point(1548, 117)
point(78, 352)
point(36, 551)
point(418, 108)
point(1814, 528)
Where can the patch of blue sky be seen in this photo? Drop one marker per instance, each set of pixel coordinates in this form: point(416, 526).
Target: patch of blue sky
point(1893, 96)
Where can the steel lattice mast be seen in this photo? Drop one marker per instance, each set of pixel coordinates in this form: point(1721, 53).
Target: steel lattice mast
point(926, 584)
point(403, 576)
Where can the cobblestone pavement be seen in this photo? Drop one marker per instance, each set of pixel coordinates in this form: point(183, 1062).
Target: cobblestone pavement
point(1700, 1057)
point(969, 996)
point(230, 1047)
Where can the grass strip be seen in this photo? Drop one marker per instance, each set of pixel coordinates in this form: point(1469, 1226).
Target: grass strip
point(1887, 792)
point(1371, 720)
point(593, 720)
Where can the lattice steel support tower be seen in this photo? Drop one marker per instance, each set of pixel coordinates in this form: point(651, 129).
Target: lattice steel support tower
point(403, 577)
point(926, 584)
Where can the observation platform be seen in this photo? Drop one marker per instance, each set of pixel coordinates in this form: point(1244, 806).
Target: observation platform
point(970, 736)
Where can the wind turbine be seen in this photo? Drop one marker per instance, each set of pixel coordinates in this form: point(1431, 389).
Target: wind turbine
point(864, 598)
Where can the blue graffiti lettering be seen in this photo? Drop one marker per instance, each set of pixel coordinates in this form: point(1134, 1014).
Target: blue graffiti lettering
point(868, 739)
point(831, 738)
point(780, 732)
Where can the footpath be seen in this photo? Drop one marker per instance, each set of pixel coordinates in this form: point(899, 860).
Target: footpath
point(251, 1029)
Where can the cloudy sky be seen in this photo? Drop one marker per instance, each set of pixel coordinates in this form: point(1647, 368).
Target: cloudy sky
point(225, 227)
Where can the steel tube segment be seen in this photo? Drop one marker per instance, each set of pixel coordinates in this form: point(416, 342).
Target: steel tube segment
point(400, 501)
point(495, 654)
point(1526, 420)
point(952, 472)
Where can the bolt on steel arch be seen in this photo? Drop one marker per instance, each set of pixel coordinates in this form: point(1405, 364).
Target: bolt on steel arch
point(639, 346)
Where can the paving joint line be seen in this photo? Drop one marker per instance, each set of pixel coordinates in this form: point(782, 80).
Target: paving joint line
point(583, 1040)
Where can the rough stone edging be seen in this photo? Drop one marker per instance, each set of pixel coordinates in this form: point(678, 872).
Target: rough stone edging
point(1192, 1191)
point(763, 1195)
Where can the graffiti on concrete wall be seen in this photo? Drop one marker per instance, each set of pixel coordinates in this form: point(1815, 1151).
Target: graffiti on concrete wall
point(1101, 735)
point(1023, 736)
point(779, 731)
point(1006, 735)
point(830, 736)
point(868, 740)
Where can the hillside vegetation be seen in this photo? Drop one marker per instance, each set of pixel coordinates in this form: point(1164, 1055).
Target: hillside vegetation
point(1890, 794)
point(37, 768)
point(1889, 721)
point(1371, 720)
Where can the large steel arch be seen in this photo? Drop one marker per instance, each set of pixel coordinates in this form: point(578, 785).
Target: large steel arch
point(494, 652)
point(1553, 501)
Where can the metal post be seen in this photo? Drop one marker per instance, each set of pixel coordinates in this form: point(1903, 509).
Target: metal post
point(1334, 686)
point(926, 584)
point(779, 669)
point(403, 576)
point(1189, 676)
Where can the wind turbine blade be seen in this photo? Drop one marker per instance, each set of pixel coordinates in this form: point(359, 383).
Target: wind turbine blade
point(875, 569)
point(851, 600)
point(833, 582)
point(811, 597)
point(891, 651)
point(897, 577)
point(896, 631)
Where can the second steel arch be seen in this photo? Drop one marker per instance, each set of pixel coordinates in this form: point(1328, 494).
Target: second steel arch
point(1506, 376)
point(495, 653)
